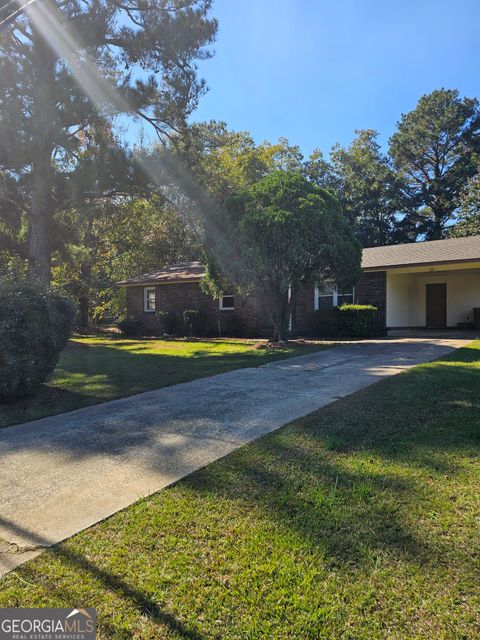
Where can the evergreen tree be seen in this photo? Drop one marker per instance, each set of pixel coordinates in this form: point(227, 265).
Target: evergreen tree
point(367, 189)
point(435, 151)
point(468, 223)
point(67, 70)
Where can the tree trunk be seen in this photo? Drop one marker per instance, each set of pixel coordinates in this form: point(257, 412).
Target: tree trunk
point(438, 217)
point(83, 311)
point(84, 296)
point(42, 205)
point(39, 231)
point(279, 308)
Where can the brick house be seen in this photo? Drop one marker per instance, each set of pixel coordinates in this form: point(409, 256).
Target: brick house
point(419, 285)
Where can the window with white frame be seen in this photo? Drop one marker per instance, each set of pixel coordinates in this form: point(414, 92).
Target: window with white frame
point(329, 296)
point(227, 302)
point(149, 299)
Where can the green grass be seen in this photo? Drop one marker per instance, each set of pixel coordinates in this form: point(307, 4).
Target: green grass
point(93, 370)
point(358, 522)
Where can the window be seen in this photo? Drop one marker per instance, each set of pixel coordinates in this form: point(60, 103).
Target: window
point(149, 299)
point(227, 302)
point(326, 296)
point(329, 296)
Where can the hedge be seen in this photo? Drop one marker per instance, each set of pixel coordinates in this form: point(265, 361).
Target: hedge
point(35, 324)
point(131, 327)
point(347, 321)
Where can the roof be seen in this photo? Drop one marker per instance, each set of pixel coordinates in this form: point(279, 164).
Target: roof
point(396, 255)
point(180, 272)
point(423, 253)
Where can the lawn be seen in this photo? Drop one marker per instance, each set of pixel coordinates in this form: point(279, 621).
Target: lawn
point(359, 522)
point(97, 369)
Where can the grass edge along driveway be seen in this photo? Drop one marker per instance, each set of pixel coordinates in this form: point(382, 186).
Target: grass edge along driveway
point(357, 521)
point(97, 369)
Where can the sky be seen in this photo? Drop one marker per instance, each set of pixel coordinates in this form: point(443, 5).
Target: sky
point(313, 71)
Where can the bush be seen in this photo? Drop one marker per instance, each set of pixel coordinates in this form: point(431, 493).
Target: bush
point(348, 321)
point(161, 318)
point(131, 327)
point(191, 321)
point(359, 320)
point(168, 323)
point(35, 324)
point(324, 323)
point(231, 326)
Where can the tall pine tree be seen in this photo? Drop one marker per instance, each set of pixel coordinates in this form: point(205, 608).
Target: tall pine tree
point(67, 70)
point(435, 151)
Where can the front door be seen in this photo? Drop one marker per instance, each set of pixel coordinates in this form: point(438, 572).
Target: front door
point(436, 306)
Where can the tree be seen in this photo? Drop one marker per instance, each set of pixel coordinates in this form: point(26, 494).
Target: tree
point(367, 188)
point(274, 236)
point(67, 70)
point(435, 150)
point(469, 210)
point(320, 172)
point(281, 156)
point(112, 241)
point(220, 161)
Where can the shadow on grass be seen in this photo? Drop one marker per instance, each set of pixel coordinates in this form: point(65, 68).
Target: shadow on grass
point(349, 481)
point(88, 374)
point(338, 476)
point(145, 605)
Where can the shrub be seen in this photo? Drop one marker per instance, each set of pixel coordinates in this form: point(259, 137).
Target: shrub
point(161, 318)
point(168, 323)
point(324, 323)
point(35, 324)
point(348, 321)
point(191, 321)
point(131, 327)
point(231, 326)
point(359, 320)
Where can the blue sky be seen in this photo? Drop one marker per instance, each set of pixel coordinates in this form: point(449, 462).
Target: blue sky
point(314, 71)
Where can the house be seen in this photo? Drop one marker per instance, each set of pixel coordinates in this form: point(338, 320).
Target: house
point(433, 285)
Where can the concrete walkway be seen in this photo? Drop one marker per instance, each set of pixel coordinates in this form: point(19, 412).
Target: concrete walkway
point(64, 473)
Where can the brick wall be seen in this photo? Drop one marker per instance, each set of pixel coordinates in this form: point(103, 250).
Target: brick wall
point(372, 289)
point(250, 314)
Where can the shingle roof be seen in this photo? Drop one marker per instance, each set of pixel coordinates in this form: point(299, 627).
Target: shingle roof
point(423, 253)
point(397, 255)
point(180, 272)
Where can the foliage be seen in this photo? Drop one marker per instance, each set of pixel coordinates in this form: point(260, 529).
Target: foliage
point(222, 161)
point(131, 327)
point(192, 322)
point(276, 235)
point(324, 323)
point(347, 321)
point(359, 320)
point(367, 189)
point(211, 162)
point(162, 319)
point(35, 324)
point(468, 222)
point(69, 71)
point(435, 150)
point(171, 323)
point(113, 241)
point(231, 326)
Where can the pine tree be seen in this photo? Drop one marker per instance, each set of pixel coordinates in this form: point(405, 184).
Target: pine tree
point(435, 151)
point(68, 72)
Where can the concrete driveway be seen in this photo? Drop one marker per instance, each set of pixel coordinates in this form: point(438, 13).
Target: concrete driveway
point(64, 473)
